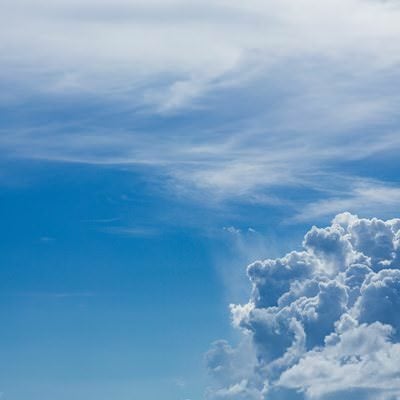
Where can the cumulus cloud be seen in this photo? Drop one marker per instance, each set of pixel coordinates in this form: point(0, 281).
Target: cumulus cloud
point(363, 359)
point(323, 322)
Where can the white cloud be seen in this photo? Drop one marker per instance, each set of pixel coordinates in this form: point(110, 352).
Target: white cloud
point(323, 322)
point(364, 358)
point(133, 38)
point(370, 197)
point(270, 91)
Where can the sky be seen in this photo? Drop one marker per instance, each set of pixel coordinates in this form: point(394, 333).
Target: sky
point(164, 168)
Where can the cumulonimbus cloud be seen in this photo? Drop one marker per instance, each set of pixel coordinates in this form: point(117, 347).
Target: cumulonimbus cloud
point(321, 323)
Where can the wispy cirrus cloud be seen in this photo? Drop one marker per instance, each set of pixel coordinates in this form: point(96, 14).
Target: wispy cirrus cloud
point(373, 198)
point(130, 231)
point(230, 99)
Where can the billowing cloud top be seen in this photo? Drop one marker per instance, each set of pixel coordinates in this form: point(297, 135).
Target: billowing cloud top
point(321, 323)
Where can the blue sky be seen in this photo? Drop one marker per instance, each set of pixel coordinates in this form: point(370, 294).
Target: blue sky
point(150, 151)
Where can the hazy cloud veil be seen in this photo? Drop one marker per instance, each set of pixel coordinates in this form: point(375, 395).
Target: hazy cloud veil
point(321, 323)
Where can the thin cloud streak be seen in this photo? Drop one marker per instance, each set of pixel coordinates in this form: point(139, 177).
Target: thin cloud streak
point(372, 198)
